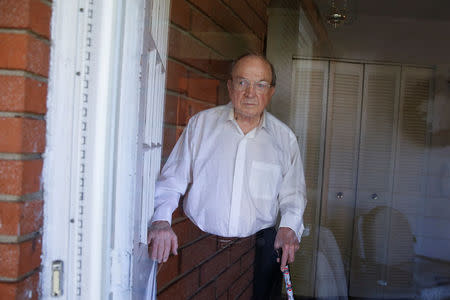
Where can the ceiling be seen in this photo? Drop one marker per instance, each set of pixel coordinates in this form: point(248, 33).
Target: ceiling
point(404, 31)
point(414, 9)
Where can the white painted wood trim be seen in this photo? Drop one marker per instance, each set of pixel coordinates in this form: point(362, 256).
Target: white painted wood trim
point(126, 176)
point(57, 167)
point(151, 115)
point(90, 161)
point(91, 171)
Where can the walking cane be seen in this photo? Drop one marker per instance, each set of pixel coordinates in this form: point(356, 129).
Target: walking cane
point(288, 283)
point(286, 275)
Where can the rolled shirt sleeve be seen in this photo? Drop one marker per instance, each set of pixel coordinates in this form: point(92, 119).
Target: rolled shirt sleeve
point(292, 195)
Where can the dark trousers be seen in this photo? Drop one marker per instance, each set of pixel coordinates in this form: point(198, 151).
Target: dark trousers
point(267, 277)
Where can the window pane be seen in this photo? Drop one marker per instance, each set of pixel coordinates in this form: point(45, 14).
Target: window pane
point(365, 86)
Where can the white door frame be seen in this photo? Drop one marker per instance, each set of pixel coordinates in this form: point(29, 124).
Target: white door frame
point(89, 173)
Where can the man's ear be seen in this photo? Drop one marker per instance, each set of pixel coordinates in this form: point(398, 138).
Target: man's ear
point(229, 85)
point(271, 91)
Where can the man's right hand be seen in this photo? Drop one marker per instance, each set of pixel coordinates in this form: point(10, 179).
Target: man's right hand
point(162, 240)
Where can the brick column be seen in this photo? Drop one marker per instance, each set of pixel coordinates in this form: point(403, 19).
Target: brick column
point(24, 64)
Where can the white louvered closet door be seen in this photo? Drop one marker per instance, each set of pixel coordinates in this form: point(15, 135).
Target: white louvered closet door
point(340, 169)
point(375, 178)
point(373, 143)
point(409, 195)
point(307, 119)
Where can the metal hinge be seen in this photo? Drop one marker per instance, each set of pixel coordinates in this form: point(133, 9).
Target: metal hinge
point(57, 278)
point(151, 146)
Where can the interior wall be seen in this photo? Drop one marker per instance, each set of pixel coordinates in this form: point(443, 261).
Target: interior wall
point(434, 240)
point(281, 42)
point(290, 33)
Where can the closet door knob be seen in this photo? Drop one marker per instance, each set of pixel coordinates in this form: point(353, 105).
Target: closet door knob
point(374, 197)
point(340, 196)
point(381, 282)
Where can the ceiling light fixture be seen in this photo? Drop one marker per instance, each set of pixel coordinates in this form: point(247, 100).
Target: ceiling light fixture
point(337, 16)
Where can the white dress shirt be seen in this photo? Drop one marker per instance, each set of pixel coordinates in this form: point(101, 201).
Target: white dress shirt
point(235, 183)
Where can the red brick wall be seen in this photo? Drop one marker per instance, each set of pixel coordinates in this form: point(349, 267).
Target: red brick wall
point(24, 63)
point(204, 37)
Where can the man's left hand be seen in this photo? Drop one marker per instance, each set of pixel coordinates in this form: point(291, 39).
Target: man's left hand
point(288, 242)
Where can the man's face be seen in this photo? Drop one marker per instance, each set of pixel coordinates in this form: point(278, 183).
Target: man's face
point(249, 102)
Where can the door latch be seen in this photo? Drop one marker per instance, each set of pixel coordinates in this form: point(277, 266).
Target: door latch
point(57, 278)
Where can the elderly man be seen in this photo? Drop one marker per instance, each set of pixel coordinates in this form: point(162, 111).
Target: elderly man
point(241, 167)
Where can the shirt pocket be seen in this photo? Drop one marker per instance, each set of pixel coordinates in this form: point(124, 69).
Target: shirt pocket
point(264, 180)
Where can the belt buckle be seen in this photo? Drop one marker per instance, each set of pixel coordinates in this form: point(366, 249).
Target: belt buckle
point(222, 242)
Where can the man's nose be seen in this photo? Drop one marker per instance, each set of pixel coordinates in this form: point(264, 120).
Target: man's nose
point(250, 90)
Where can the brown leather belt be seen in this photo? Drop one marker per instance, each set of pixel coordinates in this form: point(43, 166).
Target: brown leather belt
point(223, 242)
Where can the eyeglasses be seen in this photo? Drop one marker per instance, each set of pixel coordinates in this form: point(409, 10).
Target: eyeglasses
point(242, 84)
